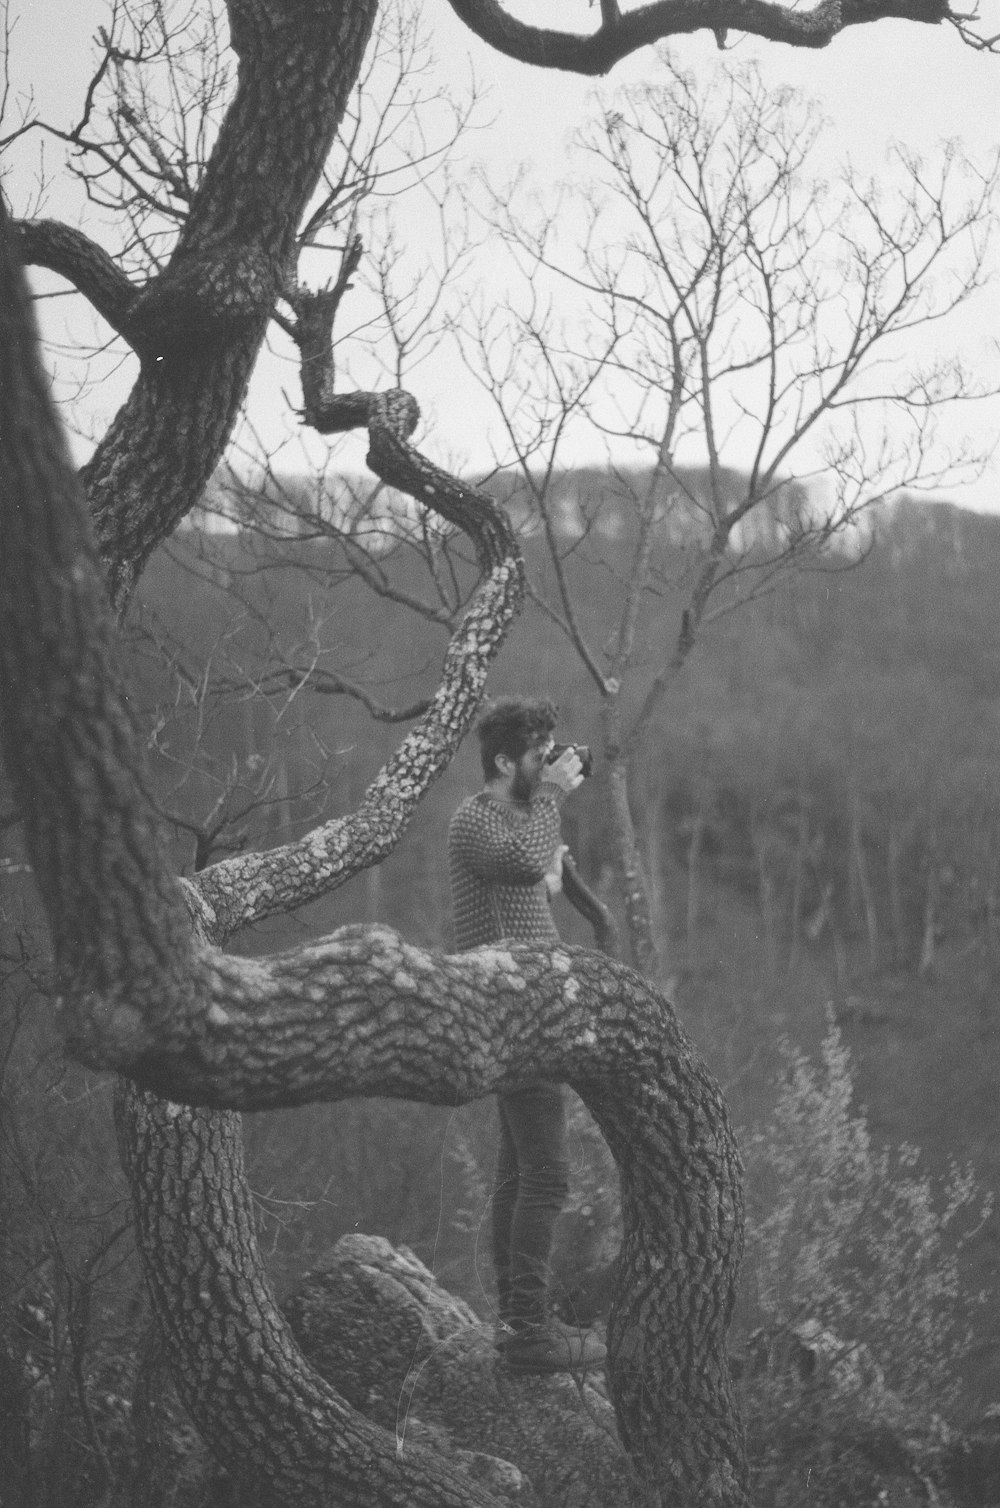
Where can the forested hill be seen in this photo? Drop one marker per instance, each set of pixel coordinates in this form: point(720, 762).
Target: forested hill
point(819, 798)
point(851, 710)
point(820, 793)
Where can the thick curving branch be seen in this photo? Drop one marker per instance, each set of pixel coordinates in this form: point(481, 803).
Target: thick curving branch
point(121, 921)
point(361, 1012)
point(124, 944)
point(621, 34)
point(364, 1012)
point(240, 891)
point(85, 264)
point(268, 1417)
point(69, 737)
point(243, 890)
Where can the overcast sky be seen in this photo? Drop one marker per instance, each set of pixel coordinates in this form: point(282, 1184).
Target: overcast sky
point(889, 81)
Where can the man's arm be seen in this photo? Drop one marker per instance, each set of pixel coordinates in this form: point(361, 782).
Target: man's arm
point(591, 907)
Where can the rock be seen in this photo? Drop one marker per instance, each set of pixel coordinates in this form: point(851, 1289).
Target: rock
point(970, 1466)
point(376, 1324)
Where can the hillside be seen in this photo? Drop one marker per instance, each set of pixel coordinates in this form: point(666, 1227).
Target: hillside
point(819, 806)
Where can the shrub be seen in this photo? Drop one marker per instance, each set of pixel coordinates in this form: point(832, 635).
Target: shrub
point(859, 1318)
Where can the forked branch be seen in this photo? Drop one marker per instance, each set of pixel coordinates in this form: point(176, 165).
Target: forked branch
point(621, 34)
point(360, 1012)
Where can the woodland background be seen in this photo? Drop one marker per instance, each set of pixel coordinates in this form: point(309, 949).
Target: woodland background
point(791, 694)
point(818, 803)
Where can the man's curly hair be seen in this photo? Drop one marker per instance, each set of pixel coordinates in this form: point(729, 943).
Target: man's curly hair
point(512, 725)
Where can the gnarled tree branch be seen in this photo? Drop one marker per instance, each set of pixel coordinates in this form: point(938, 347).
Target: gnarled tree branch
point(246, 889)
point(623, 33)
point(150, 993)
point(78, 259)
point(364, 1012)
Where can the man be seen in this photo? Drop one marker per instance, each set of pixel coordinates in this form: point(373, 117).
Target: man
point(505, 858)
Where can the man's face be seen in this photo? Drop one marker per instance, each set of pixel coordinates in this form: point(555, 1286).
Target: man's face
point(529, 769)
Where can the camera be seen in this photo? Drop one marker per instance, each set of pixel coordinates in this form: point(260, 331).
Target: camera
point(583, 754)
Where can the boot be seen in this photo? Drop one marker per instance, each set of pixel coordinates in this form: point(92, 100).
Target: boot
point(550, 1346)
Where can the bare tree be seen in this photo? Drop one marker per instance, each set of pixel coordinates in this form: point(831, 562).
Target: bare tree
point(736, 333)
point(147, 989)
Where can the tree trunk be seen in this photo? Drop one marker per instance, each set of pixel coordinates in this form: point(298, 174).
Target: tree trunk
point(151, 1483)
point(993, 902)
point(634, 889)
point(928, 941)
point(799, 880)
point(865, 887)
point(765, 884)
point(199, 325)
point(694, 884)
point(897, 906)
point(447, 1029)
point(16, 1467)
point(147, 991)
point(657, 859)
point(268, 1417)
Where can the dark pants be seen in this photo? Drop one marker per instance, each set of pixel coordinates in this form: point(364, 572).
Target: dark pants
point(532, 1181)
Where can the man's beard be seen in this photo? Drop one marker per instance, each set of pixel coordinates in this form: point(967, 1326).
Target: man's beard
point(524, 785)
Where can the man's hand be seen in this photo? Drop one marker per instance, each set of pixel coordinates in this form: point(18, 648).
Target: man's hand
point(554, 873)
point(566, 772)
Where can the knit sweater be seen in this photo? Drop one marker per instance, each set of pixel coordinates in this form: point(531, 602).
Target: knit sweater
point(498, 855)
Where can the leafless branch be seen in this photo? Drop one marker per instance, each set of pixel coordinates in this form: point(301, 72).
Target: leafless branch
point(621, 34)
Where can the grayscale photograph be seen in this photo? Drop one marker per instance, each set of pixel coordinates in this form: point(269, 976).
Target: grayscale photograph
point(499, 807)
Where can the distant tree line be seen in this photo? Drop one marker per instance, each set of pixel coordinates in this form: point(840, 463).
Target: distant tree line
point(829, 753)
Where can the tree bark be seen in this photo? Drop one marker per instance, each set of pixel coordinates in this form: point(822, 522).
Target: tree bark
point(199, 325)
point(638, 921)
point(897, 908)
point(766, 890)
point(267, 1415)
point(622, 32)
point(694, 882)
point(368, 1013)
point(800, 863)
point(146, 988)
point(928, 941)
point(861, 870)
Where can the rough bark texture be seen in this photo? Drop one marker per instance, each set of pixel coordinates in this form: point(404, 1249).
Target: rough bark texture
point(70, 741)
point(361, 1012)
point(268, 1416)
point(67, 251)
point(253, 886)
point(634, 885)
point(364, 1012)
point(121, 922)
point(147, 989)
point(622, 33)
point(198, 327)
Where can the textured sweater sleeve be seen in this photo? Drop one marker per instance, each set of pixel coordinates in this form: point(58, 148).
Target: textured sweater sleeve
point(507, 848)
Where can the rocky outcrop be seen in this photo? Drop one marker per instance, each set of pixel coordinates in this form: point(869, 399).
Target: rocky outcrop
point(376, 1324)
